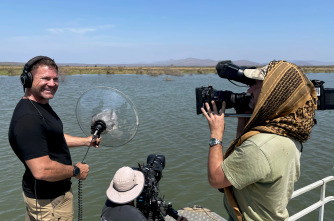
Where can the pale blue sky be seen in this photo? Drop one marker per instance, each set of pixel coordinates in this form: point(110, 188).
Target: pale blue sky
point(125, 31)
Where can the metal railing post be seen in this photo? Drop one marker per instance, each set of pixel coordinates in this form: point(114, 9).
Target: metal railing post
point(322, 197)
point(318, 205)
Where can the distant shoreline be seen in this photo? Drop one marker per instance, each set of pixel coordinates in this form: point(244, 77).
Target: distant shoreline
point(13, 70)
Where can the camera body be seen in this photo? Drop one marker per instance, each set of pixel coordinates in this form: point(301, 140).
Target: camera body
point(239, 101)
point(149, 202)
point(325, 95)
point(233, 100)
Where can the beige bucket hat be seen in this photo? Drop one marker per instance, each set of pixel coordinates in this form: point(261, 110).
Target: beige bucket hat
point(126, 185)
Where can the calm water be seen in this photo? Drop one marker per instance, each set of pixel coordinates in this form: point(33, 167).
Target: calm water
point(168, 125)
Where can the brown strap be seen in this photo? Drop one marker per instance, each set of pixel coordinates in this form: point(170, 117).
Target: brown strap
point(228, 190)
point(246, 136)
point(231, 200)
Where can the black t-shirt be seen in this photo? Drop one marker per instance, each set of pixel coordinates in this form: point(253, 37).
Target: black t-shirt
point(35, 131)
point(118, 212)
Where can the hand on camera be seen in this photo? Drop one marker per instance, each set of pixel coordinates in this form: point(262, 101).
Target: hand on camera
point(216, 121)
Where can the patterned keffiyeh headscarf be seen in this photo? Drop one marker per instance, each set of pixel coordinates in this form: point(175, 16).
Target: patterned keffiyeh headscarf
point(286, 106)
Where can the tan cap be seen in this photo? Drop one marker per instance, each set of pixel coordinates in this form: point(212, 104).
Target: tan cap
point(256, 74)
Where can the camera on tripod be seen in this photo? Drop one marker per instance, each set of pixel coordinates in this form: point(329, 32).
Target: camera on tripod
point(240, 101)
point(149, 202)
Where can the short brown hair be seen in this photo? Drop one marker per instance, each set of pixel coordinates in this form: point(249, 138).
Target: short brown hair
point(45, 61)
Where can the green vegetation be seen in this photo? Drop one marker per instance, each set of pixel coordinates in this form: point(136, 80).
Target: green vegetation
point(153, 71)
point(318, 69)
point(10, 70)
point(13, 70)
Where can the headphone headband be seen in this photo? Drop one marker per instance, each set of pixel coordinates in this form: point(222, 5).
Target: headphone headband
point(26, 76)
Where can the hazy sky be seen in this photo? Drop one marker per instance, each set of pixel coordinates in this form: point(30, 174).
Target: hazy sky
point(124, 31)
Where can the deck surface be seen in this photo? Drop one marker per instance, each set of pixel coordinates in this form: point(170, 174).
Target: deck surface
point(197, 213)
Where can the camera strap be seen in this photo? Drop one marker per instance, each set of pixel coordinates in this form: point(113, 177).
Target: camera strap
point(233, 203)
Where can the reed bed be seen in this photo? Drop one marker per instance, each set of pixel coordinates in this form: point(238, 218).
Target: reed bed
point(13, 70)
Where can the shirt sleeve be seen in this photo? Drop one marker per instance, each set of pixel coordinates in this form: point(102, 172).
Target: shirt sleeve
point(246, 165)
point(30, 137)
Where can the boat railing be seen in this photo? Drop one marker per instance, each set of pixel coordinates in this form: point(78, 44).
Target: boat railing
point(320, 204)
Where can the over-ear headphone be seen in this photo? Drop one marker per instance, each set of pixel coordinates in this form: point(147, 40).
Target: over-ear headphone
point(26, 76)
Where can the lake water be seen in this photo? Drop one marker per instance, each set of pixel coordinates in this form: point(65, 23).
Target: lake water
point(168, 125)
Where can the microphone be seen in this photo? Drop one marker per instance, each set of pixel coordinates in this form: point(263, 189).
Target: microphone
point(98, 128)
point(103, 122)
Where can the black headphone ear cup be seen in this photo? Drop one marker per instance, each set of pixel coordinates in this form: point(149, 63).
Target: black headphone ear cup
point(26, 76)
point(26, 79)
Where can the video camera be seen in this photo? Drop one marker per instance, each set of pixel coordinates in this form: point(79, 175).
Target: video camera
point(207, 94)
point(325, 95)
point(230, 71)
point(149, 202)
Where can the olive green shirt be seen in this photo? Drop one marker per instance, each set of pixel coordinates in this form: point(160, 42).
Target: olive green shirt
point(262, 172)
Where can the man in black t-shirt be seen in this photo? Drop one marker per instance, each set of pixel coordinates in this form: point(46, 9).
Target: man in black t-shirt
point(37, 138)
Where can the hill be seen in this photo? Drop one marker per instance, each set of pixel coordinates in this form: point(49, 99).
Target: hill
point(187, 62)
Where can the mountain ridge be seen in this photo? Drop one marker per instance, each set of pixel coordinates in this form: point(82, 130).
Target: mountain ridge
point(188, 62)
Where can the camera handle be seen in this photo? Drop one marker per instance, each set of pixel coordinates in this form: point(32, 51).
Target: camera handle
point(237, 115)
point(171, 211)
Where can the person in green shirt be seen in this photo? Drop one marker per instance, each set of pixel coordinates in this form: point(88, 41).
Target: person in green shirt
point(258, 170)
